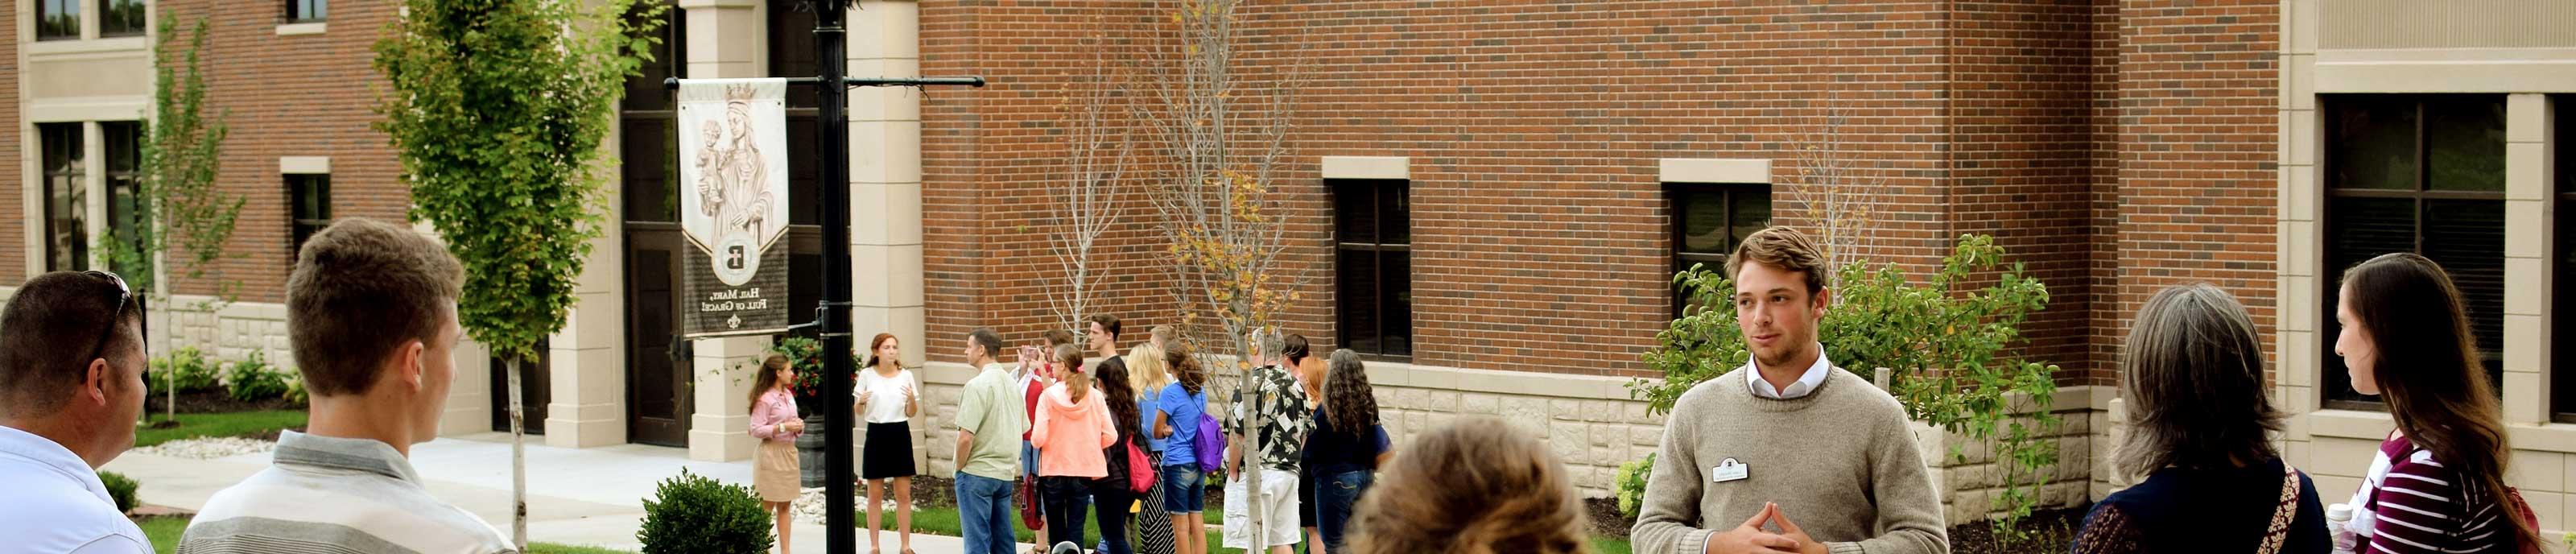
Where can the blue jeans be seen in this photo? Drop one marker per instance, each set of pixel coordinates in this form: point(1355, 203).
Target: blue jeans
point(1184, 488)
point(1334, 496)
point(1063, 501)
point(984, 513)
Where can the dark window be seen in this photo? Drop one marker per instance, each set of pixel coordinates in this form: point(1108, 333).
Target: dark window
point(791, 53)
point(124, 157)
point(1709, 220)
point(1373, 265)
point(2562, 341)
point(308, 196)
point(2422, 174)
point(66, 197)
point(648, 152)
point(58, 19)
point(120, 18)
point(307, 11)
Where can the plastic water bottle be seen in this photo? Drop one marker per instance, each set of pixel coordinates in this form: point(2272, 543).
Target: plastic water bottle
point(2337, 516)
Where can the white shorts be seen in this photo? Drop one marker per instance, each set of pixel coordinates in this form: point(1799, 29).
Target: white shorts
point(1279, 509)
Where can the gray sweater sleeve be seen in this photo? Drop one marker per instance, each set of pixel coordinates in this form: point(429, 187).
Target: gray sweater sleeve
point(1909, 512)
point(1668, 516)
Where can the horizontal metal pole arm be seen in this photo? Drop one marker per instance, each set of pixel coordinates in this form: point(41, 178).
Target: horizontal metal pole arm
point(674, 82)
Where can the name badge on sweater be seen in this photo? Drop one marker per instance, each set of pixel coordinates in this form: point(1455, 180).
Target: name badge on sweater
point(1729, 470)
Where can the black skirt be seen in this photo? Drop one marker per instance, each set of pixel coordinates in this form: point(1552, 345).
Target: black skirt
point(887, 452)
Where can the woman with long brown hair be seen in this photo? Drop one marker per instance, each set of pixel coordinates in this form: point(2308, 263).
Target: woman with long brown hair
point(1475, 487)
point(888, 397)
point(2437, 482)
point(1111, 495)
point(1346, 448)
point(774, 422)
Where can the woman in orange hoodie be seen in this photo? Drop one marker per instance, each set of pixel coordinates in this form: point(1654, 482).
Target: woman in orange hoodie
point(1072, 429)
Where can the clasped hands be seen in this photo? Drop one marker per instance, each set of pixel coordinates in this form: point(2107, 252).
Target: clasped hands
point(1755, 537)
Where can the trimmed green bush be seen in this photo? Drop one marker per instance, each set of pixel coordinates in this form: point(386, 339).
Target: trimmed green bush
point(692, 514)
point(121, 488)
point(252, 379)
point(194, 372)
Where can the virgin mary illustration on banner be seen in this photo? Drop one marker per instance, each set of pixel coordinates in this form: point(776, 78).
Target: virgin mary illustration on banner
point(736, 178)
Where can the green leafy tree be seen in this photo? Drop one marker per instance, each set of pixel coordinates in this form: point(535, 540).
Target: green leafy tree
point(497, 110)
point(176, 203)
point(1945, 347)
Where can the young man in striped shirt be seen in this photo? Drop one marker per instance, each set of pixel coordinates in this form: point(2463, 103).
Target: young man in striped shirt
point(371, 313)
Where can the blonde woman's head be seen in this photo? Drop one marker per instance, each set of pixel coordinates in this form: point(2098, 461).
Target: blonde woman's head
point(1145, 369)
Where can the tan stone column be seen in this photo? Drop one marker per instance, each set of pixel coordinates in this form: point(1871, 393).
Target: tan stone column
point(885, 189)
point(724, 41)
point(2528, 178)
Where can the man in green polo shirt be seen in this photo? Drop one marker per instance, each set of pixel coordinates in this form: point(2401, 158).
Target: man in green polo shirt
point(990, 418)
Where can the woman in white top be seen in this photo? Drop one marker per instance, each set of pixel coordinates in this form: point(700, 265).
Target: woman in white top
point(887, 396)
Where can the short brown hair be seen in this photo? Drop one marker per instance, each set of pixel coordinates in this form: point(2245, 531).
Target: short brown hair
point(1107, 322)
point(1059, 337)
point(1783, 248)
point(49, 325)
point(362, 289)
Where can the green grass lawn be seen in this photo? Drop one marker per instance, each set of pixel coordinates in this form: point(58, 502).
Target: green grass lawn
point(164, 532)
point(236, 424)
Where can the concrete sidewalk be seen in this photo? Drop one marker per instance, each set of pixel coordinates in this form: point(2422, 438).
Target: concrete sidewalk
point(588, 497)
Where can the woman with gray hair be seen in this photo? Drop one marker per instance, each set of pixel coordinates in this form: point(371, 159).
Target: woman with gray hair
point(2199, 425)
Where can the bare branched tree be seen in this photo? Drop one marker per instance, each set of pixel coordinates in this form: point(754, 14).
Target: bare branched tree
point(1219, 204)
point(1842, 196)
point(1085, 201)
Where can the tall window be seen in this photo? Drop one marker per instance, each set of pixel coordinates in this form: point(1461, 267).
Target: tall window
point(58, 19)
point(66, 192)
point(120, 18)
point(2423, 174)
point(124, 157)
point(307, 11)
point(308, 197)
point(2563, 339)
point(791, 53)
point(1373, 269)
point(1709, 220)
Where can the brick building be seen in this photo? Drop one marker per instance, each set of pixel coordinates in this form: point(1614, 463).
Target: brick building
point(1488, 197)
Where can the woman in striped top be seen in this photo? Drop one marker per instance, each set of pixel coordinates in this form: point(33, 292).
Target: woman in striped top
point(2437, 483)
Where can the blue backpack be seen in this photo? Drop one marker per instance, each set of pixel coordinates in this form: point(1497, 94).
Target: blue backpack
point(1210, 444)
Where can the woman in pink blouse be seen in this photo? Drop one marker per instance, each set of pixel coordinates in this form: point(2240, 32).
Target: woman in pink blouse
point(774, 422)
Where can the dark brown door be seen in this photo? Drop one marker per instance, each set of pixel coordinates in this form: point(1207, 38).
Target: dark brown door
point(657, 391)
point(534, 393)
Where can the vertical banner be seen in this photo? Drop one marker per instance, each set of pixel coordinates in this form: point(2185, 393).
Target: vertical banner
point(733, 205)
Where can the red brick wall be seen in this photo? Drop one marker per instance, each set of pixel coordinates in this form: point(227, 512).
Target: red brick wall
point(2027, 143)
point(2198, 136)
point(300, 95)
point(1540, 236)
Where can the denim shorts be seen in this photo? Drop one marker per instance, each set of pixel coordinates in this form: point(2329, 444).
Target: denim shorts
point(1184, 489)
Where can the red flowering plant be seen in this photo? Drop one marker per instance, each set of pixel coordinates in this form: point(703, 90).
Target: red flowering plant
point(805, 355)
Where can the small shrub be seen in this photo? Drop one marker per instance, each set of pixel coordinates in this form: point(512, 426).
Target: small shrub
point(295, 387)
point(252, 379)
point(193, 373)
point(1632, 483)
point(691, 513)
point(121, 488)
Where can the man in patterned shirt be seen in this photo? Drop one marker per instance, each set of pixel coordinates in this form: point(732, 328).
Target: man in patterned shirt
point(1277, 407)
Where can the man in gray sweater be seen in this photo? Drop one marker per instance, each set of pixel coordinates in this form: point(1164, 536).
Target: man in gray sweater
point(1787, 437)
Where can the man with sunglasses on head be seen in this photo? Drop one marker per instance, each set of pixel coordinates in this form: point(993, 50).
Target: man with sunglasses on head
point(371, 313)
point(66, 410)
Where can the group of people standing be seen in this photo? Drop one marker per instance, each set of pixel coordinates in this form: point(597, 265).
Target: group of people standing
point(1789, 435)
point(885, 397)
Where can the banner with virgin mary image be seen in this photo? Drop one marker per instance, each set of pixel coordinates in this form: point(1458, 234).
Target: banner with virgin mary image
point(733, 206)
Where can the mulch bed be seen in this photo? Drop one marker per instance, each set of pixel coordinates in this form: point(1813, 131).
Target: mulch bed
point(212, 402)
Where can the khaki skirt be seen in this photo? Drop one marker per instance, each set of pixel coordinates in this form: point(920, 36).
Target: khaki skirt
point(773, 471)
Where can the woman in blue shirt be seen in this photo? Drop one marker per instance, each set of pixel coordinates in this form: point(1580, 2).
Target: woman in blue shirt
point(1176, 422)
point(1347, 446)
